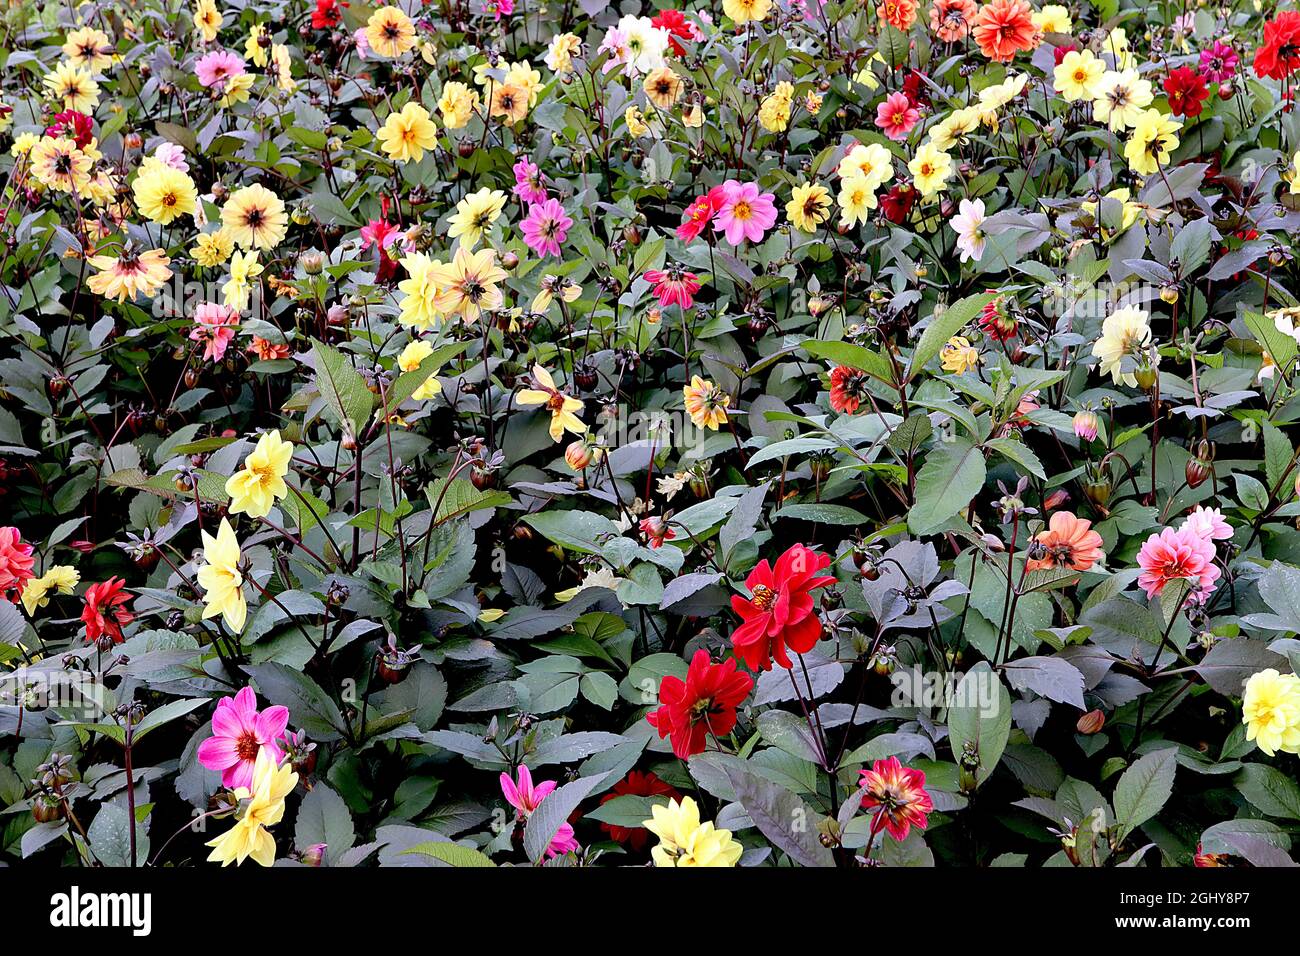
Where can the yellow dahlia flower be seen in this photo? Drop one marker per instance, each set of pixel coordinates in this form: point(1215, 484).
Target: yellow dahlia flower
point(221, 578)
point(685, 841)
point(260, 483)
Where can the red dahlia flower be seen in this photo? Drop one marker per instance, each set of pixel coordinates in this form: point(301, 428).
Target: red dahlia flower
point(1058, 52)
point(636, 784)
point(328, 14)
point(1279, 57)
point(105, 611)
point(78, 127)
point(896, 205)
point(897, 793)
point(675, 24)
point(996, 322)
point(705, 703)
point(848, 388)
point(657, 530)
point(780, 614)
point(699, 214)
point(15, 563)
point(916, 89)
point(1187, 91)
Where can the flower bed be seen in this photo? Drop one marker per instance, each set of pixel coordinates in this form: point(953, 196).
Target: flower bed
point(766, 432)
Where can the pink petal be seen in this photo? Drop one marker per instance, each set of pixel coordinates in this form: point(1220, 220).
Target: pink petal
point(526, 784)
point(240, 775)
point(511, 792)
point(542, 791)
point(245, 701)
point(271, 723)
point(226, 721)
point(218, 753)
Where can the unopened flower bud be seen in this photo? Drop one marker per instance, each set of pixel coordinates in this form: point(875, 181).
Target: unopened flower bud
point(1086, 424)
point(314, 855)
point(1056, 499)
point(581, 453)
point(1091, 722)
point(1201, 465)
point(46, 808)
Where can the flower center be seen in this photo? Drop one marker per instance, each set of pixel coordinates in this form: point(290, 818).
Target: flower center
point(1061, 554)
point(247, 747)
point(764, 597)
point(701, 709)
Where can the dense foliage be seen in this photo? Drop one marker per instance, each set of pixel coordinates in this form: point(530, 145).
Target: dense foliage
point(765, 433)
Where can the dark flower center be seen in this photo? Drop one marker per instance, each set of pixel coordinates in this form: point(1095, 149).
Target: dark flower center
point(701, 709)
point(247, 747)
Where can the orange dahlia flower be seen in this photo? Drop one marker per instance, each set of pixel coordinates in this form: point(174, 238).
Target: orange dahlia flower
point(1004, 28)
point(1070, 543)
point(899, 14)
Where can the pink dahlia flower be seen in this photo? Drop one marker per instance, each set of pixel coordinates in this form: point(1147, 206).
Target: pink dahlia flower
point(215, 69)
point(1219, 62)
point(214, 325)
point(745, 213)
point(525, 798)
point(1171, 555)
point(896, 116)
point(673, 286)
point(1209, 523)
point(546, 227)
point(169, 154)
point(528, 182)
point(239, 733)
